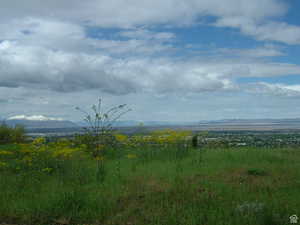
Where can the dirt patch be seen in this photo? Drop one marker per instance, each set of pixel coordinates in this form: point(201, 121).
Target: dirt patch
point(240, 176)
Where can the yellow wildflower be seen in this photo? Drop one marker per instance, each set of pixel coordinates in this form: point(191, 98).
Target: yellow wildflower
point(39, 141)
point(121, 137)
point(99, 158)
point(47, 170)
point(83, 147)
point(27, 159)
point(100, 146)
point(6, 153)
point(131, 156)
point(65, 152)
point(3, 164)
point(63, 143)
point(26, 150)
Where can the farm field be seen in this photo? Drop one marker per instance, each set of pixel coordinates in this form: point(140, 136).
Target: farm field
point(159, 180)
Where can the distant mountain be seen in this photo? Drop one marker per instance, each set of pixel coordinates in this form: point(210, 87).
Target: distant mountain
point(38, 122)
point(251, 121)
point(129, 123)
point(134, 123)
point(224, 122)
point(32, 124)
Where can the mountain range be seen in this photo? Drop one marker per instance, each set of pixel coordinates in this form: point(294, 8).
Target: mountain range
point(33, 124)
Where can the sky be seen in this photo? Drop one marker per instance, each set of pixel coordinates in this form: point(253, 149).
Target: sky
point(168, 60)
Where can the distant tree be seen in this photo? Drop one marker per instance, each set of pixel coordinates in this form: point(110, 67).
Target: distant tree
point(11, 134)
point(4, 133)
point(199, 137)
point(18, 134)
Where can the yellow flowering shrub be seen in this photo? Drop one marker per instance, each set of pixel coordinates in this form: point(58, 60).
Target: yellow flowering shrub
point(100, 147)
point(63, 143)
point(3, 164)
point(39, 155)
point(169, 136)
point(131, 156)
point(2, 152)
point(99, 158)
point(121, 138)
point(27, 159)
point(65, 152)
point(39, 141)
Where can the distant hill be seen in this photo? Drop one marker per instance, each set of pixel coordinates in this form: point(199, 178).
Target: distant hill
point(134, 123)
point(42, 123)
point(32, 124)
point(129, 123)
point(231, 122)
point(253, 121)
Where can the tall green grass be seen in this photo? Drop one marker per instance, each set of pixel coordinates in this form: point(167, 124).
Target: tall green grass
point(158, 186)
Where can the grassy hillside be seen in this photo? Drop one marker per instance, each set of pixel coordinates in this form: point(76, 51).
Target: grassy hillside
point(60, 183)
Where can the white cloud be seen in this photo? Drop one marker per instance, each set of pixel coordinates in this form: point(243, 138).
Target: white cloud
point(140, 12)
point(44, 57)
point(265, 30)
point(274, 89)
point(259, 52)
point(51, 34)
point(58, 35)
point(148, 35)
point(277, 31)
point(253, 17)
point(34, 117)
point(38, 67)
point(132, 47)
point(72, 65)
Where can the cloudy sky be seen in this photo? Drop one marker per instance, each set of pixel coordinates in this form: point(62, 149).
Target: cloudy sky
point(169, 60)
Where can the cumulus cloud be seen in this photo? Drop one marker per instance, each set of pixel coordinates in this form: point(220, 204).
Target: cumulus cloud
point(274, 89)
point(66, 72)
point(60, 35)
point(253, 18)
point(265, 30)
point(39, 67)
point(59, 56)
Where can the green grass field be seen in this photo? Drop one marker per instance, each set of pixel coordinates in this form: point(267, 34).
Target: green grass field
point(237, 186)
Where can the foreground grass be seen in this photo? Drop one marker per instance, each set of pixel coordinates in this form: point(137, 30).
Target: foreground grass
point(211, 186)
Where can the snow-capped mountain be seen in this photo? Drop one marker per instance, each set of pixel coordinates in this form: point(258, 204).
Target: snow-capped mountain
point(38, 121)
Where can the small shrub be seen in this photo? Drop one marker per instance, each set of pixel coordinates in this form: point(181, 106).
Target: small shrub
point(195, 141)
point(256, 172)
point(11, 134)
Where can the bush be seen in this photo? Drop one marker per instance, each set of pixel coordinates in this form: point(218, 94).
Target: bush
point(11, 134)
point(256, 172)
